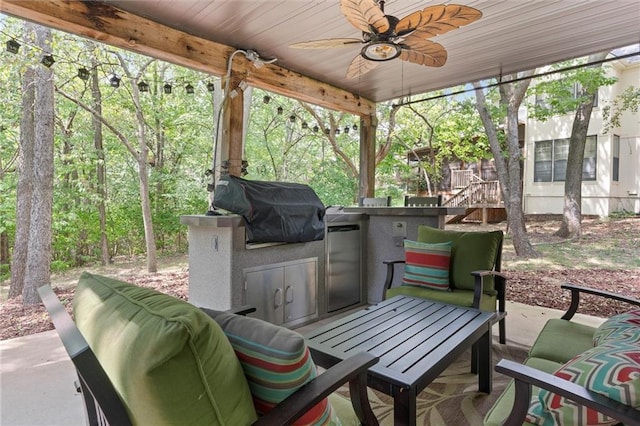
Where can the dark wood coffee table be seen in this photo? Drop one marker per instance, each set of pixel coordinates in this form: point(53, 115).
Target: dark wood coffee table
point(416, 340)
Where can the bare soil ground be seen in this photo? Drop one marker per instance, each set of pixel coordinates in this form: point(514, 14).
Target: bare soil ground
point(606, 257)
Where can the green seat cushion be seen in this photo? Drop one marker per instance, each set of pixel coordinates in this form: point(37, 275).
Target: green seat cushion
point(170, 363)
point(503, 405)
point(470, 251)
point(552, 340)
point(276, 363)
point(611, 369)
point(454, 297)
point(427, 265)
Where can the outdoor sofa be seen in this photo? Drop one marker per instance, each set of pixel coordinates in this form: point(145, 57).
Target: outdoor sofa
point(576, 375)
point(144, 357)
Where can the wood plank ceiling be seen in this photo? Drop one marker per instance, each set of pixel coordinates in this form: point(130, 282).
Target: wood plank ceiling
point(512, 35)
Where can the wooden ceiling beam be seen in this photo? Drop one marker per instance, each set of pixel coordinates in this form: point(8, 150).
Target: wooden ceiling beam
point(110, 25)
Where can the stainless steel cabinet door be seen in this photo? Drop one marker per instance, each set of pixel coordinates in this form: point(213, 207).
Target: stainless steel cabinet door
point(299, 291)
point(265, 292)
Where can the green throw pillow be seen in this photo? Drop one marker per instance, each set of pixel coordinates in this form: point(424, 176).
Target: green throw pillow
point(276, 362)
point(427, 265)
point(170, 363)
point(470, 251)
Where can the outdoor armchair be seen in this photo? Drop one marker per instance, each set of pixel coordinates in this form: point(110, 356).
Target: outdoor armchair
point(576, 373)
point(144, 357)
point(460, 268)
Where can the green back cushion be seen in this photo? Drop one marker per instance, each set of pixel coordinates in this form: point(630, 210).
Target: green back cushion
point(612, 370)
point(170, 363)
point(470, 251)
point(427, 265)
point(276, 362)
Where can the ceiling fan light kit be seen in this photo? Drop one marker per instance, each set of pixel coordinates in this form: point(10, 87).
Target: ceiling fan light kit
point(381, 51)
point(386, 37)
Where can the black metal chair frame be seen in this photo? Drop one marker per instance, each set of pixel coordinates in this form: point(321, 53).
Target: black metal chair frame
point(104, 406)
point(526, 377)
point(500, 281)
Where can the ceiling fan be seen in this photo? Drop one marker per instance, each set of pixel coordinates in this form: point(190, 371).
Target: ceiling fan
point(386, 37)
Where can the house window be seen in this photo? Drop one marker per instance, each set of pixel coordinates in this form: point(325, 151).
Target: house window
point(550, 160)
point(579, 91)
point(543, 158)
point(615, 175)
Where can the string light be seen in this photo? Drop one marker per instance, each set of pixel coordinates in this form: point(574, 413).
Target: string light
point(114, 81)
point(167, 88)
point(189, 89)
point(47, 61)
point(280, 110)
point(83, 74)
point(316, 129)
point(13, 46)
point(292, 118)
point(266, 99)
point(143, 87)
point(305, 125)
point(211, 87)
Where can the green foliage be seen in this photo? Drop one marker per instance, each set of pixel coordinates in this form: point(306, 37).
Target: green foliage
point(628, 100)
point(562, 93)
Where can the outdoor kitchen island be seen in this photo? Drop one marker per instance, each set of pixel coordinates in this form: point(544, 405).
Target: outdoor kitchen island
point(289, 283)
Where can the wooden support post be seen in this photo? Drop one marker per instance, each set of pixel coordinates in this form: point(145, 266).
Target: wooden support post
point(368, 126)
point(232, 144)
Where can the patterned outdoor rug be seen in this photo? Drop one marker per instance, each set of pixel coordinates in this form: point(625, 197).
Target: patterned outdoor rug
point(453, 398)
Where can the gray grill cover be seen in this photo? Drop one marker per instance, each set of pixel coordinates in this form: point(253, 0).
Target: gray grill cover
point(273, 211)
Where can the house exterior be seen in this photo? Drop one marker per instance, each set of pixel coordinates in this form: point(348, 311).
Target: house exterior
point(611, 173)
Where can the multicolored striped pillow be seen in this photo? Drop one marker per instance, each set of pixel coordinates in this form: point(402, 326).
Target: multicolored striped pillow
point(427, 265)
point(612, 370)
point(276, 362)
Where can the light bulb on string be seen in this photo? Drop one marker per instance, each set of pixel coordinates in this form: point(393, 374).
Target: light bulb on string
point(13, 46)
point(47, 61)
point(114, 81)
point(83, 74)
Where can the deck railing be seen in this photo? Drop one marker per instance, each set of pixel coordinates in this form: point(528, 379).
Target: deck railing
point(477, 193)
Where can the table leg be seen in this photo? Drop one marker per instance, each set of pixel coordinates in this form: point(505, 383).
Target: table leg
point(404, 407)
point(483, 347)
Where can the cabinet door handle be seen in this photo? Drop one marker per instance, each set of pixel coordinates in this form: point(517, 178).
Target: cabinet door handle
point(277, 298)
point(289, 294)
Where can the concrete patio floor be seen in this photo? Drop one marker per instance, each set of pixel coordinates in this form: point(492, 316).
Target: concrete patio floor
point(37, 377)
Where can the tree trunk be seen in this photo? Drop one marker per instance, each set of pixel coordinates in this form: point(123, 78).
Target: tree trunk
point(38, 271)
point(24, 189)
point(101, 173)
point(571, 225)
point(509, 170)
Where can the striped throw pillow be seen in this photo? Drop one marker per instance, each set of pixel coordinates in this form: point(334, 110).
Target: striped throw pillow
point(276, 362)
point(427, 265)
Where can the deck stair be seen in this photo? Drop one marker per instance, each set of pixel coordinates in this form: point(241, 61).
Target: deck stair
point(477, 195)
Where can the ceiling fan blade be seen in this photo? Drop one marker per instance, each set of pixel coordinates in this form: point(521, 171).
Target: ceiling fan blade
point(327, 43)
point(360, 66)
point(435, 20)
point(364, 15)
point(423, 52)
